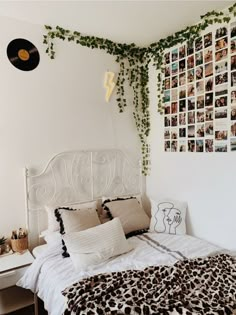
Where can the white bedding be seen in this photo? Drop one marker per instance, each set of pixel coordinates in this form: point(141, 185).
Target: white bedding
point(50, 273)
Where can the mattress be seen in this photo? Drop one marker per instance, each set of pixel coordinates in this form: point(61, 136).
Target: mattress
point(50, 273)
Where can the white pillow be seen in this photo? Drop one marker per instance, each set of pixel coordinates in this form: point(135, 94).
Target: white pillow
point(51, 237)
point(134, 219)
point(168, 216)
point(53, 224)
point(95, 245)
point(77, 220)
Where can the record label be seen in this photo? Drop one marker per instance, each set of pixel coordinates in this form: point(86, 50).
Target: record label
point(23, 54)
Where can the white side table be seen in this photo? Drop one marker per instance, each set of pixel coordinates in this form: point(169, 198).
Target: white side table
point(12, 268)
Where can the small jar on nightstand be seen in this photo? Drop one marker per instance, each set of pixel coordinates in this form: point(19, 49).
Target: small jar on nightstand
point(12, 268)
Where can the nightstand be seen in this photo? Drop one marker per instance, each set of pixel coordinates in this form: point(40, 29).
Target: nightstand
point(12, 268)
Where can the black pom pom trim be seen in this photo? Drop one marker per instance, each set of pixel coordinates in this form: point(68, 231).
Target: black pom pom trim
point(57, 213)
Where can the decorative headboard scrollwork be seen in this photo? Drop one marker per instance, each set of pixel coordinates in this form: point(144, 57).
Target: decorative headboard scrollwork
point(78, 176)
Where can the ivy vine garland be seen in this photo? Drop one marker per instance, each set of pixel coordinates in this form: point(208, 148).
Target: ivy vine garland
point(134, 67)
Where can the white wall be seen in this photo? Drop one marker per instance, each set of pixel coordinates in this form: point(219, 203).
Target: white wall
point(59, 106)
point(205, 181)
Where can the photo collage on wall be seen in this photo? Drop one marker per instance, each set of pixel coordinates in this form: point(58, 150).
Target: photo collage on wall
point(200, 94)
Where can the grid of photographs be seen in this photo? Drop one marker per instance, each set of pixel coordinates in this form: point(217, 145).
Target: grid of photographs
point(200, 94)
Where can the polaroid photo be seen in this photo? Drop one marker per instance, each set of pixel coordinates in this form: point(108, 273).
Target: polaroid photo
point(167, 121)
point(221, 67)
point(221, 89)
point(167, 108)
point(233, 113)
point(207, 40)
point(221, 43)
point(182, 65)
point(167, 146)
point(220, 146)
point(200, 132)
point(190, 62)
point(233, 45)
point(198, 44)
point(233, 98)
point(182, 145)
point(166, 96)
point(208, 69)
point(200, 102)
point(221, 130)
point(167, 84)
point(199, 58)
point(174, 68)
point(167, 58)
point(174, 82)
point(200, 87)
point(191, 103)
point(232, 144)
point(174, 55)
point(199, 146)
point(233, 63)
point(233, 129)
point(182, 106)
point(190, 75)
point(182, 92)
point(209, 129)
point(233, 29)
point(167, 71)
point(174, 107)
point(182, 119)
point(221, 113)
point(182, 79)
point(191, 117)
point(221, 101)
point(209, 114)
point(167, 134)
point(190, 90)
point(174, 133)
point(191, 145)
point(209, 99)
point(209, 83)
point(200, 116)
point(191, 131)
point(221, 54)
point(174, 120)
point(221, 32)
point(199, 73)
point(182, 132)
point(233, 78)
point(209, 145)
point(174, 94)
point(182, 52)
point(221, 78)
point(208, 55)
point(174, 146)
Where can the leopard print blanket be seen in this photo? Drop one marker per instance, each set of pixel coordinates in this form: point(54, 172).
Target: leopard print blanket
point(204, 286)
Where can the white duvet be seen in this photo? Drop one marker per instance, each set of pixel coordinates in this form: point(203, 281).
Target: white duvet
point(50, 273)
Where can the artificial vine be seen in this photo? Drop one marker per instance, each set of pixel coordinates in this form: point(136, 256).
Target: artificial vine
point(134, 67)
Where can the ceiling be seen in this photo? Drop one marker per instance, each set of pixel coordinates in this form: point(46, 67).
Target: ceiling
point(141, 22)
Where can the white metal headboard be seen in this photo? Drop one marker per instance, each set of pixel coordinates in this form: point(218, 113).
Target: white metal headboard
point(77, 176)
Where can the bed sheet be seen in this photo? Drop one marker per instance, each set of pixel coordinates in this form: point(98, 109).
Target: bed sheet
point(50, 273)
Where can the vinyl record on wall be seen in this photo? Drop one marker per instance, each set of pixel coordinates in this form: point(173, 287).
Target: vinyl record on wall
point(23, 54)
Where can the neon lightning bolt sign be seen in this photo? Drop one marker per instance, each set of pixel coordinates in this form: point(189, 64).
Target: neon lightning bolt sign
point(109, 84)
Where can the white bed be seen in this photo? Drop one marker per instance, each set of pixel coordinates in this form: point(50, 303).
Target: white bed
point(51, 273)
point(81, 176)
